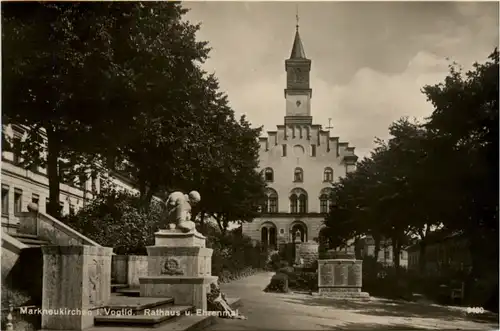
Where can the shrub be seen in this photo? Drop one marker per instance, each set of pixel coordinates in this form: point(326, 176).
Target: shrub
point(234, 256)
point(278, 284)
point(21, 322)
point(114, 219)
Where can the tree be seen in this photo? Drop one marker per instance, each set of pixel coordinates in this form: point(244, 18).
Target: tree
point(443, 172)
point(231, 188)
point(168, 94)
point(464, 130)
point(48, 51)
point(185, 135)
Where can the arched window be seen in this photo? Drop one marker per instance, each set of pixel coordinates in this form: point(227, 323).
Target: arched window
point(268, 235)
point(293, 203)
point(298, 175)
point(268, 175)
point(271, 202)
point(325, 200)
point(298, 232)
point(328, 175)
point(302, 204)
point(298, 201)
point(323, 203)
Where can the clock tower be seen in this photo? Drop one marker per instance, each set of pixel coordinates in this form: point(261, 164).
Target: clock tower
point(298, 93)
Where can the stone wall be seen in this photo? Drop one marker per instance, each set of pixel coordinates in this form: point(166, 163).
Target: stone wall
point(119, 269)
point(308, 252)
point(11, 252)
point(137, 267)
point(127, 269)
point(75, 277)
point(52, 230)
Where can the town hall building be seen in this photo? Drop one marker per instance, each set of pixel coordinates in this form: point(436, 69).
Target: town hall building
point(299, 162)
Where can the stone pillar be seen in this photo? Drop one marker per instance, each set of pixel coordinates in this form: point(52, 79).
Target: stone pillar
point(180, 267)
point(341, 277)
point(76, 284)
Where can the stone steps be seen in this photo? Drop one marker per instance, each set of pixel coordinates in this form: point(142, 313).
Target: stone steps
point(115, 287)
point(29, 239)
point(136, 305)
point(129, 291)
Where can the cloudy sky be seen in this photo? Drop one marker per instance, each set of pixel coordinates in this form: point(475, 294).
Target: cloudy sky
point(369, 59)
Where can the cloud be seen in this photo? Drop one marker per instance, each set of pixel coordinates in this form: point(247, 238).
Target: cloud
point(368, 66)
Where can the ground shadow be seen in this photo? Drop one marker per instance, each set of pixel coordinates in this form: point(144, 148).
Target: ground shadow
point(372, 326)
point(396, 308)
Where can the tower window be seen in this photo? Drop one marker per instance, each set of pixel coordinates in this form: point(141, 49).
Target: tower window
point(298, 175)
point(313, 150)
point(284, 150)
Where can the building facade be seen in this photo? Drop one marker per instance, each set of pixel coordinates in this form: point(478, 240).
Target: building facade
point(299, 162)
point(385, 256)
point(21, 186)
point(443, 253)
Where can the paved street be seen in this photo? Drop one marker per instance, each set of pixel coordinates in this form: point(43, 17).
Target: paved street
point(271, 311)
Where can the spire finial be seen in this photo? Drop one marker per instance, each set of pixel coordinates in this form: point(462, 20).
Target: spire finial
point(297, 16)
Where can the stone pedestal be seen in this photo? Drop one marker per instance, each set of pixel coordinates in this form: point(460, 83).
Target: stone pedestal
point(76, 280)
point(179, 261)
point(180, 267)
point(341, 278)
point(177, 238)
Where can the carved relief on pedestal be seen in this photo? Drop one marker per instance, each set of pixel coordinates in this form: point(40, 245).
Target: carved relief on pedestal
point(94, 272)
point(171, 267)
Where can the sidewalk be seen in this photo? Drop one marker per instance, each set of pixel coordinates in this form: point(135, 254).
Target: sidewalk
point(273, 311)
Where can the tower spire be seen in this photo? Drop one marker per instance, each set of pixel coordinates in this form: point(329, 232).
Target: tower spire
point(297, 17)
point(297, 48)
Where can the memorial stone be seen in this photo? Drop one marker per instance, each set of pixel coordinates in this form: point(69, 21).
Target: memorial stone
point(340, 276)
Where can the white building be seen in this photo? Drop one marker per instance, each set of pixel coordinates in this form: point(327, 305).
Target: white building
point(21, 186)
point(299, 162)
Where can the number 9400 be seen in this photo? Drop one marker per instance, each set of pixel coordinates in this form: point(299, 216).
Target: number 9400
point(475, 310)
